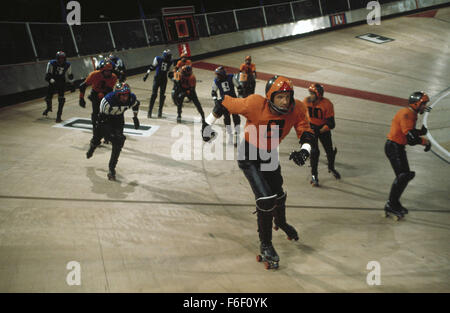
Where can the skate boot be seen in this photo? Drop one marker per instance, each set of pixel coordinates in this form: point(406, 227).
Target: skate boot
point(289, 230)
point(314, 181)
point(112, 174)
point(269, 256)
point(49, 107)
point(90, 151)
point(335, 173)
point(392, 210)
point(179, 119)
point(149, 114)
point(58, 119)
point(402, 208)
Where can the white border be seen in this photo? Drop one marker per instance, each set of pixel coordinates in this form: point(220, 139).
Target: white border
point(131, 132)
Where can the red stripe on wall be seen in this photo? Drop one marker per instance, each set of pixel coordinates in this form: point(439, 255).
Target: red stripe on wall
point(348, 92)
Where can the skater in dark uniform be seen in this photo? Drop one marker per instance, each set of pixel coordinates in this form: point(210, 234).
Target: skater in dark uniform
point(118, 67)
point(184, 86)
point(403, 131)
point(111, 122)
point(102, 82)
point(247, 77)
point(321, 114)
point(225, 84)
point(55, 75)
point(271, 118)
point(161, 64)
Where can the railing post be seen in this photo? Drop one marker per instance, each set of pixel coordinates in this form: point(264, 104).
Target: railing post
point(292, 12)
point(264, 14)
point(112, 37)
point(349, 8)
point(145, 32)
point(320, 7)
point(31, 40)
point(207, 25)
point(235, 20)
point(74, 41)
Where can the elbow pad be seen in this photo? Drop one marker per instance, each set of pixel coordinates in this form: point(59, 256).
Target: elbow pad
point(330, 122)
point(413, 137)
point(307, 137)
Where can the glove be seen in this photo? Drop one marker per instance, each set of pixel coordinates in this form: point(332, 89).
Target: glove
point(82, 103)
point(316, 130)
point(145, 77)
point(52, 81)
point(207, 132)
point(136, 122)
point(170, 75)
point(423, 131)
point(427, 146)
point(299, 157)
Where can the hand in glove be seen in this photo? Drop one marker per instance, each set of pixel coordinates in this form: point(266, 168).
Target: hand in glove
point(82, 103)
point(299, 157)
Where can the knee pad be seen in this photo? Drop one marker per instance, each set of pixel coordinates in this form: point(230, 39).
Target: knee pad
point(406, 177)
point(266, 204)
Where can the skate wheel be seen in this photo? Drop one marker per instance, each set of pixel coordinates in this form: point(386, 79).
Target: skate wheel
point(258, 258)
point(275, 228)
point(267, 265)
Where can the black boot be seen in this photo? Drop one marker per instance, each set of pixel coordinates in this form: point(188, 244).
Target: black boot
point(61, 101)
point(49, 106)
point(162, 98)
point(91, 150)
point(268, 255)
point(314, 181)
point(331, 158)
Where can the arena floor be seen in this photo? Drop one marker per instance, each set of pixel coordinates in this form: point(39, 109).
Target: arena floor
point(173, 225)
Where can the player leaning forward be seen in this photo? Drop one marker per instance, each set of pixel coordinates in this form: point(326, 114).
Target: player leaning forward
point(271, 118)
point(111, 122)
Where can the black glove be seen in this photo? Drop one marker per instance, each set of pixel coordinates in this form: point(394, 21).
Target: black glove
point(82, 103)
point(427, 147)
point(170, 75)
point(299, 157)
point(136, 122)
point(423, 131)
point(207, 132)
point(145, 77)
point(316, 129)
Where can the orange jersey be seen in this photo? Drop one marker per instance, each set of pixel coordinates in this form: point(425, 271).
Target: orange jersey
point(180, 64)
point(320, 111)
point(187, 82)
point(100, 83)
point(248, 69)
point(404, 121)
point(259, 129)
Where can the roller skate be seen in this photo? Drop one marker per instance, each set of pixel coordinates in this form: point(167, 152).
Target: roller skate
point(179, 119)
point(314, 181)
point(149, 114)
point(268, 256)
point(335, 173)
point(112, 174)
point(289, 230)
point(90, 151)
point(394, 211)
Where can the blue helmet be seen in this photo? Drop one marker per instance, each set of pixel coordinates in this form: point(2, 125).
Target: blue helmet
point(122, 88)
point(167, 54)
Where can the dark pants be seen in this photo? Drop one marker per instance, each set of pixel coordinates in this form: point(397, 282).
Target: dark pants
point(178, 95)
point(110, 127)
point(266, 184)
point(57, 87)
point(397, 157)
point(93, 96)
point(327, 143)
point(227, 119)
point(159, 82)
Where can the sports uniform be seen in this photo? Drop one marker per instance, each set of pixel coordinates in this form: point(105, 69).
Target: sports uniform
point(111, 121)
point(102, 82)
point(161, 64)
point(118, 67)
point(267, 124)
point(184, 86)
point(55, 75)
point(321, 114)
point(403, 131)
point(224, 84)
point(247, 77)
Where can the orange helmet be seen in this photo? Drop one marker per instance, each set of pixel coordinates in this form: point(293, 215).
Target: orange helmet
point(280, 84)
point(186, 70)
point(317, 89)
point(416, 99)
point(248, 59)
